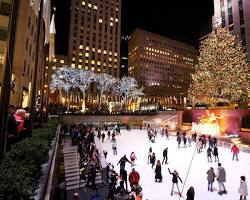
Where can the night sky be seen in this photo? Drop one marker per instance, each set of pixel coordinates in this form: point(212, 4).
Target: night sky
point(181, 20)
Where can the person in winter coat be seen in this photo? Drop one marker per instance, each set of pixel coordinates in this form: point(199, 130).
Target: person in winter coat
point(179, 140)
point(210, 179)
point(165, 156)
point(190, 193)
point(199, 145)
point(109, 135)
point(158, 175)
point(134, 178)
point(243, 188)
point(216, 154)
point(221, 178)
point(153, 159)
point(132, 158)
point(184, 141)
point(175, 181)
point(114, 146)
point(122, 162)
point(235, 151)
point(124, 176)
point(150, 151)
point(209, 154)
point(103, 137)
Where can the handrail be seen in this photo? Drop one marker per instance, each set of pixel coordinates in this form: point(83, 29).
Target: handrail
point(50, 175)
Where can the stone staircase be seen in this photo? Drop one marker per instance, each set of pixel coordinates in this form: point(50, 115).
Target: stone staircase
point(71, 167)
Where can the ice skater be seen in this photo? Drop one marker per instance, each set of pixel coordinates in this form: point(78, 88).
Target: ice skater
point(122, 162)
point(114, 146)
point(179, 140)
point(150, 152)
point(132, 158)
point(235, 151)
point(175, 181)
point(210, 179)
point(153, 159)
point(165, 156)
point(216, 154)
point(243, 188)
point(221, 178)
point(209, 154)
point(158, 175)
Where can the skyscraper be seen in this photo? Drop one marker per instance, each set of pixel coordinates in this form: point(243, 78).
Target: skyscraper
point(162, 66)
point(235, 16)
point(94, 39)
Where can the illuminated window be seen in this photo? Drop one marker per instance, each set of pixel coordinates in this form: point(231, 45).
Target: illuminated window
point(87, 54)
point(116, 20)
point(92, 62)
point(53, 67)
point(100, 20)
point(80, 66)
point(89, 5)
point(86, 67)
point(86, 61)
point(81, 47)
point(95, 7)
point(73, 65)
point(110, 53)
point(111, 23)
point(54, 60)
point(87, 48)
point(93, 49)
point(80, 60)
point(115, 54)
point(104, 51)
point(99, 50)
point(73, 59)
point(92, 68)
point(83, 3)
point(61, 61)
point(110, 59)
point(98, 63)
point(111, 18)
point(98, 69)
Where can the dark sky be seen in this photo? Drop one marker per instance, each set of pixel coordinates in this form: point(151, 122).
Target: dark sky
point(185, 20)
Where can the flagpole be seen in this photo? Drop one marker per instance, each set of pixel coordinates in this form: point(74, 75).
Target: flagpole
point(51, 56)
point(34, 74)
point(7, 68)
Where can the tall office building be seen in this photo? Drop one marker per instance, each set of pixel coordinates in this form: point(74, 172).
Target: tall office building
point(24, 51)
point(162, 66)
point(235, 16)
point(94, 39)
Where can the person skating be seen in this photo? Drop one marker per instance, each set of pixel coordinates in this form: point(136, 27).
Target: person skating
point(153, 159)
point(150, 152)
point(210, 179)
point(134, 178)
point(184, 141)
point(216, 154)
point(243, 191)
point(235, 151)
point(190, 193)
point(109, 135)
point(179, 140)
point(122, 162)
point(103, 137)
point(132, 158)
point(209, 154)
point(221, 178)
point(165, 156)
point(175, 181)
point(158, 175)
point(114, 146)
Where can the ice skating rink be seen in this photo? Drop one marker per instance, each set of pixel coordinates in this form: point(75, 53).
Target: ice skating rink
point(179, 159)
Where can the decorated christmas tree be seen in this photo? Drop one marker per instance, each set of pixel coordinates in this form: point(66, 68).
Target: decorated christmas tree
point(221, 72)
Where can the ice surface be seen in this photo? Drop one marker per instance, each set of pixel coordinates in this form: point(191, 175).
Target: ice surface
point(179, 159)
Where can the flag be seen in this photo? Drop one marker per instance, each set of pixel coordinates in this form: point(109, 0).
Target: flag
point(52, 38)
point(46, 18)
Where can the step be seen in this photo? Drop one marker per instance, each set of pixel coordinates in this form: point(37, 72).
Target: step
point(73, 178)
point(67, 171)
point(72, 174)
point(72, 187)
point(73, 182)
point(72, 155)
point(71, 167)
point(69, 164)
point(83, 184)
